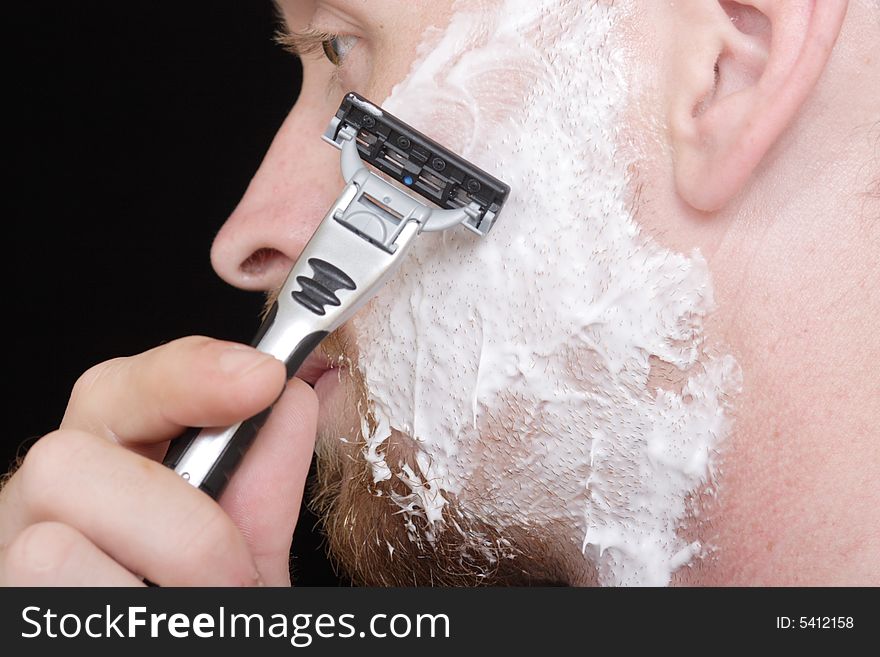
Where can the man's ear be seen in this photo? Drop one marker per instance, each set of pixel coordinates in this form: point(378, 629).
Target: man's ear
point(740, 74)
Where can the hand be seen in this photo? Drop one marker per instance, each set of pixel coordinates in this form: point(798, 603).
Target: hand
point(91, 504)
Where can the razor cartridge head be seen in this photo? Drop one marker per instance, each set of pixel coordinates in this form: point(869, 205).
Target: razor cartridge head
point(419, 163)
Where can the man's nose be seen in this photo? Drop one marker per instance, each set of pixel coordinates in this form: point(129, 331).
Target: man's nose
point(283, 205)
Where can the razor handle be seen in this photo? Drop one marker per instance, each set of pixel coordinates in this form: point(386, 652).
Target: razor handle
point(316, 299)
point(207, 458)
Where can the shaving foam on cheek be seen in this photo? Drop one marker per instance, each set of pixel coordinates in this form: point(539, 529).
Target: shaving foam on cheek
point(519, 364)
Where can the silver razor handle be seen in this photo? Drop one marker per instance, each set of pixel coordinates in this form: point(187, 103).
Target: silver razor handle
point(318, 296)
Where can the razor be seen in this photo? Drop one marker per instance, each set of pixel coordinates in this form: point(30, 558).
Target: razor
point(399, 183)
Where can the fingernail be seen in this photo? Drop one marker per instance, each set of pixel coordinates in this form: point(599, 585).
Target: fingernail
point(240, 359)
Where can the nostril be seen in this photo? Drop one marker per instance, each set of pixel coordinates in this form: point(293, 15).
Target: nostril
point(262, 261)
point(258, 261)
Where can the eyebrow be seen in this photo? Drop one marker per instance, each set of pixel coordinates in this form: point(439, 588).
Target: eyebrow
point(303, 42)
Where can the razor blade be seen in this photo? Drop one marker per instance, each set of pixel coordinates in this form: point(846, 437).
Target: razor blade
point(418, 163)
point(398, 184)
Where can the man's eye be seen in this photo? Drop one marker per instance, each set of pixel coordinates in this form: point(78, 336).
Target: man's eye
point(311, 41)
point(337, 47)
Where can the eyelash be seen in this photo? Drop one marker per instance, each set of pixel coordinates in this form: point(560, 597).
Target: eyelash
point(311, 41)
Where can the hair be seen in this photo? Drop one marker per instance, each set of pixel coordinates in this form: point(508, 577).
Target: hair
point(6, 476)
point(17, 462)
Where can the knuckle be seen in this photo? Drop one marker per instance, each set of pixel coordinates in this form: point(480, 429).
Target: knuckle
point(189, 346)
point(40, 552)
point(211, 529)
point(84, 387)
point(179, 357)
point(193, 341)
point(47, 462)
point(212, 538)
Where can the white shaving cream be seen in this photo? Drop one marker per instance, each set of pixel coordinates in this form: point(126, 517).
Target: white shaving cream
point(520, 363)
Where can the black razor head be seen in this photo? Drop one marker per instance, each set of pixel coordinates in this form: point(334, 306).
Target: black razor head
point(419, 163)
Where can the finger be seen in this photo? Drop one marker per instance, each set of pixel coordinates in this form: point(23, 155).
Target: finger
point(264, 496)
point(192, 381)
point(139, 512)
point(54, 554)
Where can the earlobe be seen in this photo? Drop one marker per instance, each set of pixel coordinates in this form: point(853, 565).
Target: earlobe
point(738, 84)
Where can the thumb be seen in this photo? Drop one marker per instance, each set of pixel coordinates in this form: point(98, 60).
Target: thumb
point(263, 497)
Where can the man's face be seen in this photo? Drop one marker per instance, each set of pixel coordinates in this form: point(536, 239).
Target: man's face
point(534, 406)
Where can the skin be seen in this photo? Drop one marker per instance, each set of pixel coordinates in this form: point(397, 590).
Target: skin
point(767, 171)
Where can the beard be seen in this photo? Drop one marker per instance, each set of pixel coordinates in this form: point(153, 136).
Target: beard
point(366, 537)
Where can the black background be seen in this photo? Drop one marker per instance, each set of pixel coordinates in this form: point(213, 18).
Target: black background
point(136, 128)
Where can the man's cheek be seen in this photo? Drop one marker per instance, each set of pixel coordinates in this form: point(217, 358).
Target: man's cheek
point(492, 94)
